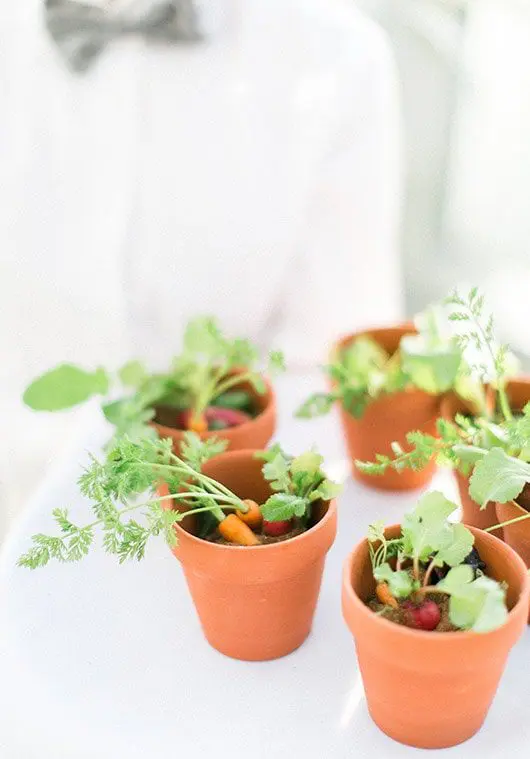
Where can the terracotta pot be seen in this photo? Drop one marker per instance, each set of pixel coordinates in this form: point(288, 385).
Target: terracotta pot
point(516, 535)
point(471, 512)
point(387, 419)
point(255, 433)
point(255, 603)
point(518, 392)
point(429, 689)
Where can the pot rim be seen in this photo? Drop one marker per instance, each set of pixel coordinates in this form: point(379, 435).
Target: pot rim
point(270, 401)
point(443, 637)
point(405, 327)
point(328, 516)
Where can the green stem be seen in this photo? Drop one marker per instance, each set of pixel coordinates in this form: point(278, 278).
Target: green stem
point(505, 524)
point(209, 391)
point(217, 512)
point(416, 568)
point(428, 573)
point(501, 392)
point(235, 379)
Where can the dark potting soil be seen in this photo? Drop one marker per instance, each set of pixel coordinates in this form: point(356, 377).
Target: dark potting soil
point(214, 537)
point(400, 616)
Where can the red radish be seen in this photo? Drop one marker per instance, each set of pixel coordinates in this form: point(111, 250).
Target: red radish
point(275, 529)
point(426, 616)
point(231, 417)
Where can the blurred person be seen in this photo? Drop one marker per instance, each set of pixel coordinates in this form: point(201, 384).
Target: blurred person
point(252, 173)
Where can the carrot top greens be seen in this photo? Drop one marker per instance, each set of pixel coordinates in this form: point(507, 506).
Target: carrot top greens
point(124, 484)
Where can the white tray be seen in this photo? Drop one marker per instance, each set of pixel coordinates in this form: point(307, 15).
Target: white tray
point(99, 660)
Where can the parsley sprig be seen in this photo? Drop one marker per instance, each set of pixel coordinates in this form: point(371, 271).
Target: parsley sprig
point(299, 482)
point(117, 487)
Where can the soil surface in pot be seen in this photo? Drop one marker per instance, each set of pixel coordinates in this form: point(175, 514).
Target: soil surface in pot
point(401, 615)
point(319, 508)
point(214, 537)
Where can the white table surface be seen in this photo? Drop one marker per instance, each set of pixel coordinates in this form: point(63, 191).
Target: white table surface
point(99, 660)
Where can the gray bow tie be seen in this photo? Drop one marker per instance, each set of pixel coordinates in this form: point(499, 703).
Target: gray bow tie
point(81, 30)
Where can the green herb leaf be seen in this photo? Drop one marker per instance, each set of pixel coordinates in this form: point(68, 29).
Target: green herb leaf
point(309, 462)
point(196, 451)
point(458, 546)
point(399, 583)
point(132, 374)
point(277, 472)
point(283, 506)
point(426, 530)
point(276, 363)
point(326, 491)
point(475, 604)
point(498, 477)
point(376, 531)
point(63, 387)
point(317, 404)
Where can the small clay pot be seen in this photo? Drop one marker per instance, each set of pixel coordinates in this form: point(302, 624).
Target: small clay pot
point(255, 603)
point(430, 689)
point(255, 433)
point(518, 392)
point(387, 419)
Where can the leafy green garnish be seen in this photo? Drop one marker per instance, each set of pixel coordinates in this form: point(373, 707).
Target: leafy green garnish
point(114, 485)
point(498, 477)
point(300, 481)
point(65, 386)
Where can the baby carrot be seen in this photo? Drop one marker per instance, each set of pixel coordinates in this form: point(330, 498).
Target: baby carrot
point(252, 517)
point(236, 531)
point(385, 596)
point(197, 423)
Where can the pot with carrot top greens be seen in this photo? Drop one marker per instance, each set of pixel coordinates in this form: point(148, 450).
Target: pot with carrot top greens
point(251, 529)
point(213, 387)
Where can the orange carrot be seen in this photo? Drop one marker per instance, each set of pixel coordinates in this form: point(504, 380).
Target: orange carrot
point(385, 596)
point(236, 531)
point(252, 517)
point(197, 423)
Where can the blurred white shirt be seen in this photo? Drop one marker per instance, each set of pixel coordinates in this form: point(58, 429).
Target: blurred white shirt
point(254, 176)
